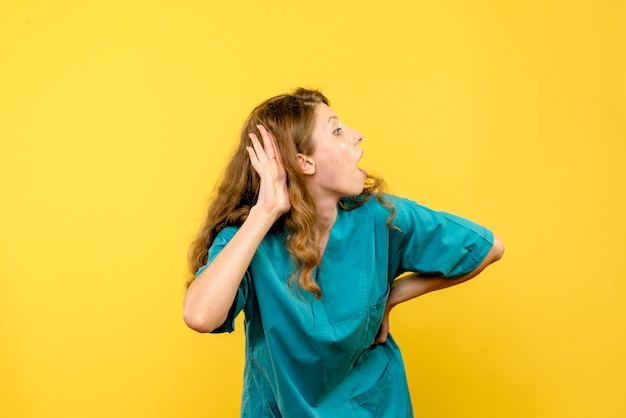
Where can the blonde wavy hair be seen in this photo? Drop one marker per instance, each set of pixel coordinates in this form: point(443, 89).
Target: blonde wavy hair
point(290, 118)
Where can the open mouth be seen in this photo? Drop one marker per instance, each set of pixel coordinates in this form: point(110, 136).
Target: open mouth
point(358, 168)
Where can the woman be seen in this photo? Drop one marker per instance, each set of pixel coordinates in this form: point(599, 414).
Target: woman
point(308, 246)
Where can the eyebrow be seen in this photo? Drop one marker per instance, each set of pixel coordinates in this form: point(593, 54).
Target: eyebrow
point(331, 118)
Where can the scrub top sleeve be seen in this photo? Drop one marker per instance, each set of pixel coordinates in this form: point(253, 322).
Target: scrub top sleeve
point(437, 242)
point(223, 238)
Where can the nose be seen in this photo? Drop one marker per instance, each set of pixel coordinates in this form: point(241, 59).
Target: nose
point(357, 137)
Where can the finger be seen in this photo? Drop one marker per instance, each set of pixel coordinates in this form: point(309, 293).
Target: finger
point(258, 148)
point(381, 338)
point(269, 143)
point(383, 331)
point(253, 158)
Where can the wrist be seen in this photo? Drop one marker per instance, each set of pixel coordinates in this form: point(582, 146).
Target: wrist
point(263, 216)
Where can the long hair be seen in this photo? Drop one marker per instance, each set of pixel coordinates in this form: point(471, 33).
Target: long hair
point(290, 118)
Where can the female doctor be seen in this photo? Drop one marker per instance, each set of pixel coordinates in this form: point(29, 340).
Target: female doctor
point(310, 247)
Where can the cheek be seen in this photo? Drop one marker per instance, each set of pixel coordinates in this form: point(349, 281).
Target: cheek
point(328, 160)
point(330, 169)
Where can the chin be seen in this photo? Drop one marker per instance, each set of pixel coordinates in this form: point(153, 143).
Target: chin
point(354, 190)
point(356, 193)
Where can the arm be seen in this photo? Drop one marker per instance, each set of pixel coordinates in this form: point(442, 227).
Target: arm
point(211, 294)
point(414, 285)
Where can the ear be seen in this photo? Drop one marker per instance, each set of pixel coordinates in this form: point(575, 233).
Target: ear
point(307, 165)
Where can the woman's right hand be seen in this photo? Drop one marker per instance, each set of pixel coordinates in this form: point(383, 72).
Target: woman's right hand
point(210, 296)
point(268, 163)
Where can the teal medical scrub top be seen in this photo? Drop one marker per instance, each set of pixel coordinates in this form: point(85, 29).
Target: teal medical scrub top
point(314, 358)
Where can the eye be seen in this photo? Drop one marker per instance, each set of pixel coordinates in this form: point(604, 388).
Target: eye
point(337, 131)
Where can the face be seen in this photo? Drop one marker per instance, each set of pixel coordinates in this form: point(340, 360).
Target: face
point(335, 157)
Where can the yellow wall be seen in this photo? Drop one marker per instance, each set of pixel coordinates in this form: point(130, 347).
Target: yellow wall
point(116, 118)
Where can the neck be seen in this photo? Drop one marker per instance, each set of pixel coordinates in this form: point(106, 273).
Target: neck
point(326, 215)
point(326, 212)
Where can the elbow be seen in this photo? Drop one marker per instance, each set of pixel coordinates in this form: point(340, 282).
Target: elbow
point(202, 323)
point(197, 324)
point(497, 250)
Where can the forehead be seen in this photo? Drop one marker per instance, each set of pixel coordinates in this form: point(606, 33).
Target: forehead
point(325, 118)
point(324, 115)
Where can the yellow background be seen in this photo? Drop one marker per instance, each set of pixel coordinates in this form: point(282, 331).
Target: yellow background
point(116, 118)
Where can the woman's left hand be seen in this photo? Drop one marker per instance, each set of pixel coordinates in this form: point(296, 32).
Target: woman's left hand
point(383, 331)
point(401, 290)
